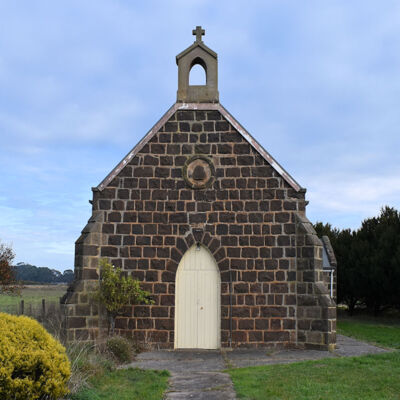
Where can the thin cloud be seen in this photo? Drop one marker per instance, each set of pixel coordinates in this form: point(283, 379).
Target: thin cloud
point(355, 196)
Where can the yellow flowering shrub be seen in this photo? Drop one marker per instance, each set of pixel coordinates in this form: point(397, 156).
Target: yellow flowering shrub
point(33, 365)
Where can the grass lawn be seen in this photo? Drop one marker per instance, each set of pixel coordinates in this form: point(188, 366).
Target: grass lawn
point(126, 384)
point(369, 377)
point(381, 334)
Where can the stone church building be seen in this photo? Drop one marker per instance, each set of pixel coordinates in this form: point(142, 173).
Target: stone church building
point(213, 227)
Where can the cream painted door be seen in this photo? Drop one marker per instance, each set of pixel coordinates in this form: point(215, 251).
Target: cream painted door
point(197, 301)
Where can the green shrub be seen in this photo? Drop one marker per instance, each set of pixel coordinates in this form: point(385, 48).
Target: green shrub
point(33, 365)
point(120, 348)
point(115, 291)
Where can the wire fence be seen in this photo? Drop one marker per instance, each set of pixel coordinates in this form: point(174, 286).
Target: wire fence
point(51, 314)
point(32, 309)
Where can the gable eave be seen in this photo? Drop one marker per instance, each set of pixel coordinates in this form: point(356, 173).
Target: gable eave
point(260, 149)
point(200, 106)
point(192, 47)
point(125, 161)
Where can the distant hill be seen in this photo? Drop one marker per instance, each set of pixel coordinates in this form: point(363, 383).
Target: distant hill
point(30, 273)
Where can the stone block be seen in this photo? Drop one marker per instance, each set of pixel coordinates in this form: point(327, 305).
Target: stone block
point(164, 324)
point(76, 322)
point(89, 273)
point(271, 311)
point(282, 336)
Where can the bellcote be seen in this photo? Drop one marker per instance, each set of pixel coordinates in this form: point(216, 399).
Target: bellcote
point(197, 53)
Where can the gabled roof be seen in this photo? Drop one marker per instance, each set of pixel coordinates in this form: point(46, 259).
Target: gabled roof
point(200, 106)
point(192, 47)
point(328, 255)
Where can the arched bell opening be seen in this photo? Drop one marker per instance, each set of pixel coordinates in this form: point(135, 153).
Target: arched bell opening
point(191, 85)
point(198, 72)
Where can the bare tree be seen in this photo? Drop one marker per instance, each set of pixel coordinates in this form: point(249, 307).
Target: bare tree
point(8, 283)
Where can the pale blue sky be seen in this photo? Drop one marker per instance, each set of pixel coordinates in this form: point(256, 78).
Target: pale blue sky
point(316, 82)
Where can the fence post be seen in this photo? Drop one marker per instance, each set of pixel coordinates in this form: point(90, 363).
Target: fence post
point(21, 307)
point(43, 307)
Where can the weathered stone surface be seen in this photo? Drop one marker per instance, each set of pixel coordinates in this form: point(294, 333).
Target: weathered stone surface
point(249, 217)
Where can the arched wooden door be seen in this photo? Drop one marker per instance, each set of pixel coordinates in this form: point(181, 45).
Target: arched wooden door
point(197, 301)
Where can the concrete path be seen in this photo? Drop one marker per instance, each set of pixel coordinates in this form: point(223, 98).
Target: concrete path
point(345, 347)
point(197, 374)
point(194, 374)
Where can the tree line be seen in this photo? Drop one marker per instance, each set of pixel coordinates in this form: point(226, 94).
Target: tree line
point(30, 273)
point(368, 261)
point(12, 277)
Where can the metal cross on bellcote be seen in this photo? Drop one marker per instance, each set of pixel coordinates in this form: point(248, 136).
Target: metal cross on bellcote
point(199, 33)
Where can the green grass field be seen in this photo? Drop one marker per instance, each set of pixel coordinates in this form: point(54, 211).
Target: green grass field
point(381, 334)
point(32, 296)
point(126, 384)
point(374, 377)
